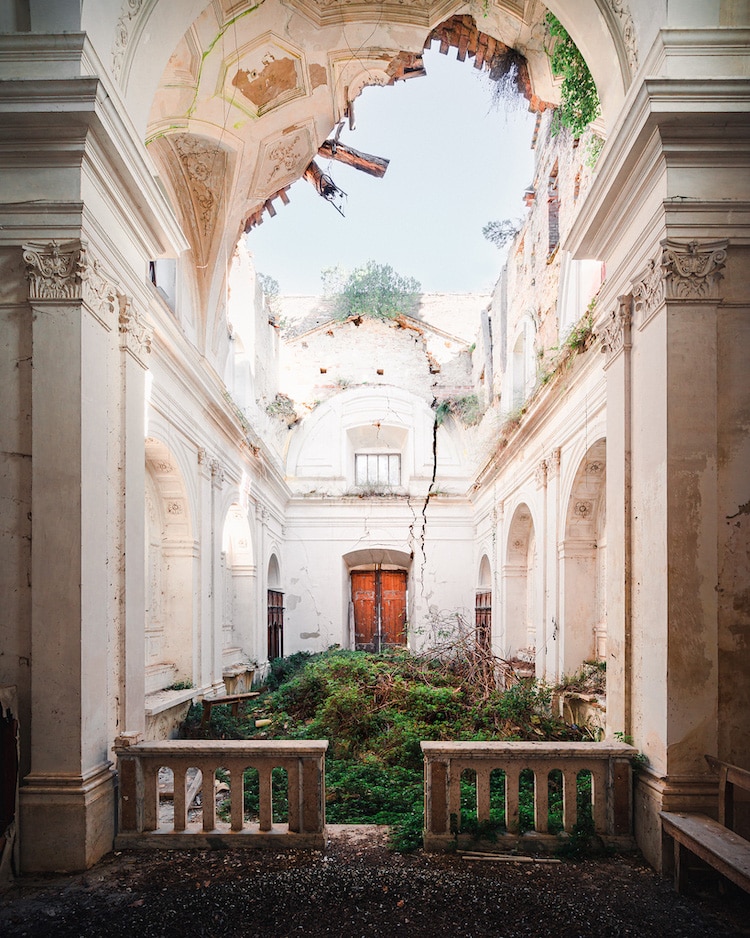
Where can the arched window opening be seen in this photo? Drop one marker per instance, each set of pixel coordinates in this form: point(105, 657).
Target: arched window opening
point(275, 646)
point(483, 607)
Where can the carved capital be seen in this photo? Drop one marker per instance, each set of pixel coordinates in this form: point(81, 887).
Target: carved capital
point(692, 271)
point(54, 269)
point(615, 335)
point(135, 332)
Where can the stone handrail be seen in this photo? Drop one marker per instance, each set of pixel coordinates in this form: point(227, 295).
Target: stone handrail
point(139, 766)
point(609, 764)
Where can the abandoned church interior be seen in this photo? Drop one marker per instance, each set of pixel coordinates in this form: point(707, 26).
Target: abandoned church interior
point(198, 477)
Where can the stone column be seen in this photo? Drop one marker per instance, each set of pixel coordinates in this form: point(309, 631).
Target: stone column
point(67, 799)
point(217, 528)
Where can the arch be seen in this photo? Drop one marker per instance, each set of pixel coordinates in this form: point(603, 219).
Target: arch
point(274, 610)
point(238, 577)
point(521, 576)
point(522, 365)
point(483, 605)
point(170, 554)
point(583, 559)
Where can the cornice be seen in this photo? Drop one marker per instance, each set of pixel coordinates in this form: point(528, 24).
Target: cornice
point(667, 120)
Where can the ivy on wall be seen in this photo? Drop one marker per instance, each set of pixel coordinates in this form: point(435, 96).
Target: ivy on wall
point(579, 104)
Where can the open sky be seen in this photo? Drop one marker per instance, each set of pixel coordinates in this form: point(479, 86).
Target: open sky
point(457, 162)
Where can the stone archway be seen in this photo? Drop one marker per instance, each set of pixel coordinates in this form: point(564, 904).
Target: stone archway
point(238, 582)
point(520, 576)
point(583, 556)
point(170, 557)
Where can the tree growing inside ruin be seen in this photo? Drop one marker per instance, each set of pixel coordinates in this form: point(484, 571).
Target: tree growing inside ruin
point(375, 290)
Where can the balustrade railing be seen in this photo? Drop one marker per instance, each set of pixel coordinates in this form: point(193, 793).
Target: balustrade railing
point(144, 822)
point(557, 775)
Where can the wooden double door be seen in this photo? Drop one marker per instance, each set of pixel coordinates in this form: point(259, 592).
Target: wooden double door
point(379, 602)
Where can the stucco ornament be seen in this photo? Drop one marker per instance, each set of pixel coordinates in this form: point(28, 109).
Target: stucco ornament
point(617, 330)
point(135, 332)
point(627, 31)
point(54, 270)
point(205, 168)
point(129, 11)
point(648, 292)
point(692, 271)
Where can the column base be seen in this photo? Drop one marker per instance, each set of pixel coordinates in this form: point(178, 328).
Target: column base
point(66, 823)
point(653, 794)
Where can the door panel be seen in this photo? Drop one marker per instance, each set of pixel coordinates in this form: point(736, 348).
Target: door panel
point(379, 594)
point(365, 614)
point(393, 603)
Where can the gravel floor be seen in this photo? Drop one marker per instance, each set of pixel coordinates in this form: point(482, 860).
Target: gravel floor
point(360, 888)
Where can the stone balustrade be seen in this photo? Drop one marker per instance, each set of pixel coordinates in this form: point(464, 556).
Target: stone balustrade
point(611, 786)
point(142, 820)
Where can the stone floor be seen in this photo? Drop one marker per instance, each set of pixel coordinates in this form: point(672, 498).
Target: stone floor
point(360, 887)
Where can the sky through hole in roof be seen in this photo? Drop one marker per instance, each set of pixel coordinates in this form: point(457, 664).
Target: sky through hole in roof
point(457, 162)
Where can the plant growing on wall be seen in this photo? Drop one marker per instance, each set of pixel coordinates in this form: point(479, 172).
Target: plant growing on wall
point(375, 290)
point(579, 104)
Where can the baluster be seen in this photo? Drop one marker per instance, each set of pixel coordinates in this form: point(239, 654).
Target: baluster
point(129, 807)
point(237, 794)
point(209, 796)
point(599, 798)
point(265, 796)
point(294, 795)
point(512, 774)
point(179, 773)
point(483, 794)
point(541, 800)
point(569, 797)
point(150, 796)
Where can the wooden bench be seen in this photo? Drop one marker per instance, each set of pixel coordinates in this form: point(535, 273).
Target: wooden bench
point(714, 842)
point(233, 699)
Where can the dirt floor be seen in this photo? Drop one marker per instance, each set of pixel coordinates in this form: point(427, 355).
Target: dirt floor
point(358, 887)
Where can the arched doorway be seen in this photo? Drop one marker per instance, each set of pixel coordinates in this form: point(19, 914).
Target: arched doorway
point(275, 639)
point(520, 576)
point(170, 556)
point(483, 606)
point(238, 580)
point(378, 598)
point(584, 557)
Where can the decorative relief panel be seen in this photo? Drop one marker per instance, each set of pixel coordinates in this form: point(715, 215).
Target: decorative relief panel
point(204, 165)
point(282, 161)
point(263, 75)
point(692, 271)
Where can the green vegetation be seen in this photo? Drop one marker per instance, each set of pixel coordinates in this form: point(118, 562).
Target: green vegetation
point(579, 104)
point(374, 710)
point(466, 409)
point(374, 290)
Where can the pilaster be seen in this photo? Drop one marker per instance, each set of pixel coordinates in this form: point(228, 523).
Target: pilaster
point(67, 800)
